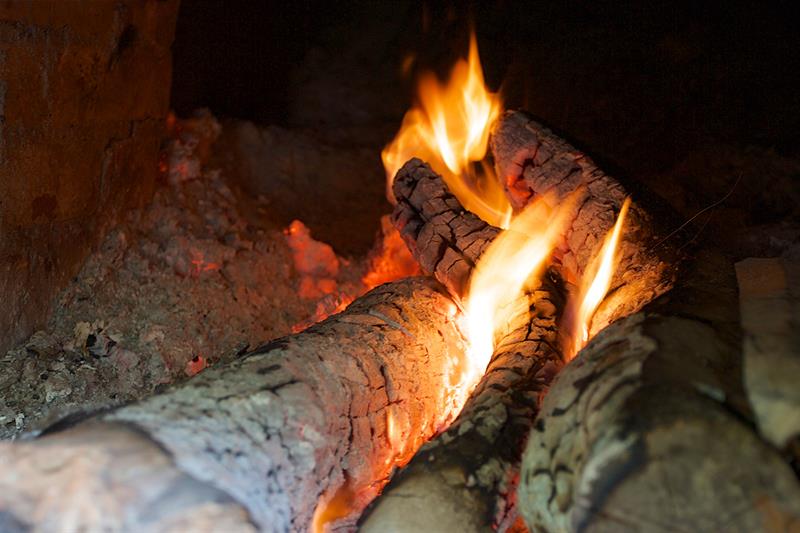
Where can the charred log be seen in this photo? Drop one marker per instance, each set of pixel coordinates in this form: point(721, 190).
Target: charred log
point(107, 477)
point(479, 455)
point(649, 426)
point(530, 160)
point(297, 421)
point(461, 481)
point(445, 238)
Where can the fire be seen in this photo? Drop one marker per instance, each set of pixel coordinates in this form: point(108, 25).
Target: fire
point(195, 365)
point(449, 128)
point(392, 432)
point(507, 267)
point(199, 263)
point(594, 286)
point(333, 507)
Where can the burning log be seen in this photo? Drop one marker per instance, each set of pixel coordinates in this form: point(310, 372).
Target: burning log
point(530, 162)
point(319, 416)
point(460, 481)
point(647, 427)
point(445, 239)
point(479, 455)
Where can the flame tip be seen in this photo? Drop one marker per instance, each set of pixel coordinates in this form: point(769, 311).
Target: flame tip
point(595, 284)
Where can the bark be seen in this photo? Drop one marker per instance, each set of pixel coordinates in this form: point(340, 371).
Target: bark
point(107, 477)
point(769, 300)
point(648, 428)
point(478, 457)
point(530, 160)
point(461, 480)
point(299, 420)
point(442, 236)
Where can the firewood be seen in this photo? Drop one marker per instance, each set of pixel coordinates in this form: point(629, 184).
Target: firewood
point(647, 429)
point(446, 239)
point(655, 402)
point(460, 481)
point(531, 160)
point(479, 455)
point(300, 420)
point(769, 300)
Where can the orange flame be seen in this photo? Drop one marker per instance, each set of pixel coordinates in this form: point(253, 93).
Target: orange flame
point(594, 286)
point(393, 433)
point(449, 128)
point(333, 507)
point(502, 274)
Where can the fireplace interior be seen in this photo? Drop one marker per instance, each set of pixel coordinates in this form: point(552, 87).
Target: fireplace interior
point(398, 266)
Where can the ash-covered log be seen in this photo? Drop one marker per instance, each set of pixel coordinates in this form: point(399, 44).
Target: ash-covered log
point(648, 428)
point(479, 455)
point(464, 479)
point(461, 480)
point(263, 440)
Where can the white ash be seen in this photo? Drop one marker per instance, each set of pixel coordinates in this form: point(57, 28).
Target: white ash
point(194, 279)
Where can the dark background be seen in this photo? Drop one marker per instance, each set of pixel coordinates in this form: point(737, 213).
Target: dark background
point(683, 97)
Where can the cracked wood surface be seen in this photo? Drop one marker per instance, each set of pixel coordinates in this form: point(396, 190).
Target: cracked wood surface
point(286, 424)
point(107, 477)
point(649, 427)
point(445, 239)
point(531, 161)
point(462, 479)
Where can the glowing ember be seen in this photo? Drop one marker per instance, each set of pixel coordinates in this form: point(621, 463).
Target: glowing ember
point(199, 264)
point(510, 264)
point(196, 364)
point(390, 259)
point(329, 305)
point(449, 128)
point(318, 267)
point(315, 261)
point(593, 288)
point(332, 508)
point(394, 436)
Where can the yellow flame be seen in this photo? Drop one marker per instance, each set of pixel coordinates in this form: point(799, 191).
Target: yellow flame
point(332, 507)
point(595, 285)
point(503, 272)
point(449, 129)
point(394, 437)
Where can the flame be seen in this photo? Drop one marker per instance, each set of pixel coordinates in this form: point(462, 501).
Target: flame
point(392, 432)
point(389, 259)
point(333, 507)
point(338, 503)
point(449, 128)
point(502, 274)
point(595, 285)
